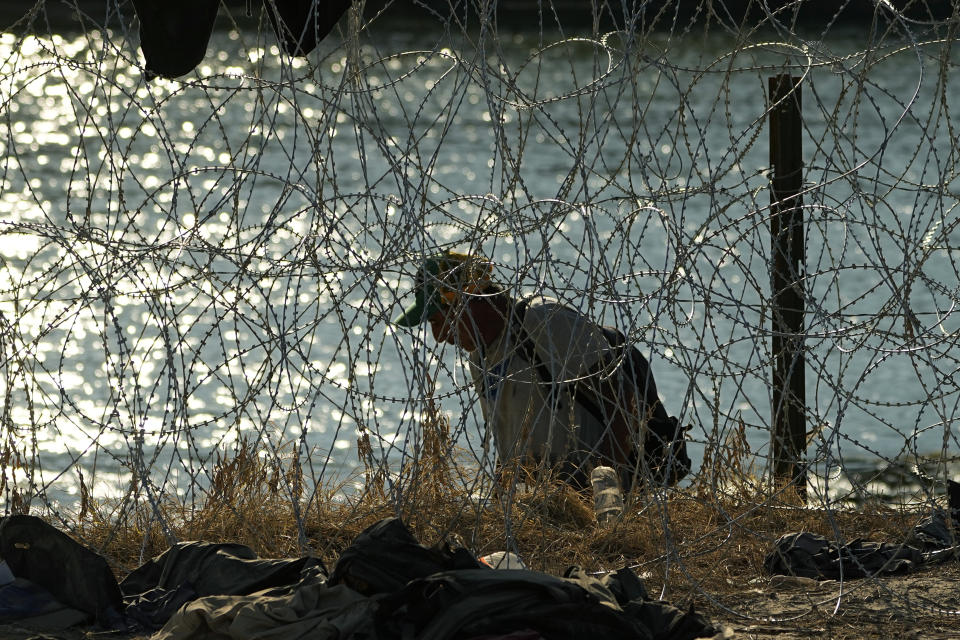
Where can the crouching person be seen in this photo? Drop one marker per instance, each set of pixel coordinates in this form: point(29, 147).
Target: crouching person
point(554, 387)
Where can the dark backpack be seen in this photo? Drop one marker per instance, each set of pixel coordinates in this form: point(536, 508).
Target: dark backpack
point(75, 575)
point(622, 402)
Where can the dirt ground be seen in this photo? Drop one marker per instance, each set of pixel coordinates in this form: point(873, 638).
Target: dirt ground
point(924, 605)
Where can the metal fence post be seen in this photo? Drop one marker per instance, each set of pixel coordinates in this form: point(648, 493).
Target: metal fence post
point(786, 277)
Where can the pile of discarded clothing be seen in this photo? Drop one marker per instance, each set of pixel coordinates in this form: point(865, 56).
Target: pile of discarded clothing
point(385, 585)
point(934, 539)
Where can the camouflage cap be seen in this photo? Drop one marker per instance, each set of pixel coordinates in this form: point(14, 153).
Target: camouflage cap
point(441, 280)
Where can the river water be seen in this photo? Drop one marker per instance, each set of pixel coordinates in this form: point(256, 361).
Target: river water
point(191, 263)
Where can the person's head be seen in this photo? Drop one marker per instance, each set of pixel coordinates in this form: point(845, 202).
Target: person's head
point(454, 293)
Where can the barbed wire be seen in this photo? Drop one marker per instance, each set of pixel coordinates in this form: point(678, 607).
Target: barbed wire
point(197, 264)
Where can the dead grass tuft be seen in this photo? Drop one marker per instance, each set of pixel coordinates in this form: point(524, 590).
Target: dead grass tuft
point(690, 540)
point(709, 537)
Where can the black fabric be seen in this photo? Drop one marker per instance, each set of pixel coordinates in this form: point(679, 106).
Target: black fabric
point(934, 539)
point(150, 610)
point(667, 622)
point(437, 593)
point(663, 620)
point(468, 603)
point(665, 442)
point(73, 574)
point(189, 570)
point(472, 602)
point(386, 556)
point(301, 24)
point(23, 599)
point(215, 569)
point(174, 34)
point(933, 533)
point(938, 531)
point(811, 555)
point(621, 586)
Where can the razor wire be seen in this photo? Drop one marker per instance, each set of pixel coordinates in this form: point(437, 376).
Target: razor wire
point(197, 263)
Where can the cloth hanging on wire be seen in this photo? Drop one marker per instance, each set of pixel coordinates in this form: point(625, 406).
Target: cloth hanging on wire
point(174, 34)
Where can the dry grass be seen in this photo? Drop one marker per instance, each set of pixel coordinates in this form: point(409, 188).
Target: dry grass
point(707, 540)
point(707, 537)
point(704, 543)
